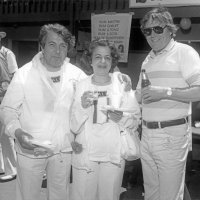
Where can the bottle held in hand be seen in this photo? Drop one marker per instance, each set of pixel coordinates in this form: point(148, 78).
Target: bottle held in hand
point(145, 80)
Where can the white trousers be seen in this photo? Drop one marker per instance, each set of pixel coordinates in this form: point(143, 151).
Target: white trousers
point(1, 161)
point(30, 173)
point(102, 183)
point(8, 160)
point(164, 153)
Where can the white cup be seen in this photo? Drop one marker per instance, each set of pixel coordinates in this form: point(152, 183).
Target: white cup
point(116, 100)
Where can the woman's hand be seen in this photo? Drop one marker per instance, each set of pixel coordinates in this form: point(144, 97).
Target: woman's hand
point(77, 147)
point(115, 115)
point(87, 99)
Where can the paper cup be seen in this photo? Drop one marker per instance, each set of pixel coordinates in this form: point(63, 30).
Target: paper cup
point(116, 100)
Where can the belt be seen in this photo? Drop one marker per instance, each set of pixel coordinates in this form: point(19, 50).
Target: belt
point(163, 124)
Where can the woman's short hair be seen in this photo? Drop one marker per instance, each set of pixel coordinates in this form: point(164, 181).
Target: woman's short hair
point(161, 14)
point(105, 43)
point(61, 30)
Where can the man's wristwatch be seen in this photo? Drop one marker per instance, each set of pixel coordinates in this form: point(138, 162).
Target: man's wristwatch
point(169, 92)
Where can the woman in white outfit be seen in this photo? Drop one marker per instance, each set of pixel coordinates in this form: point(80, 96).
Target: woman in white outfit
point(97, 163)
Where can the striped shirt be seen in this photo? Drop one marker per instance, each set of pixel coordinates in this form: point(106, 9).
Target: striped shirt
point(177, 66)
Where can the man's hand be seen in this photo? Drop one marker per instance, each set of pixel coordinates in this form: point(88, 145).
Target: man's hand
point(24, 139)
point(152, 94)
point(39, 151)
point(123, 78)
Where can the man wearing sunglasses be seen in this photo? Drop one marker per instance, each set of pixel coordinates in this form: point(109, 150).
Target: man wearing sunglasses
point(174, 72)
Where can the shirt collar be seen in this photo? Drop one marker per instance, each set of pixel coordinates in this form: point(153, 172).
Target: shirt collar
point(166, 49)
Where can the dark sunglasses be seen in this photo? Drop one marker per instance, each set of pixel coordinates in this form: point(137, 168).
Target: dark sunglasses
point(156, 29)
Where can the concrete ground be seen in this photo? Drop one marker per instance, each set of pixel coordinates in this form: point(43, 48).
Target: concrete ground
point(132, 175)
point(7, 190)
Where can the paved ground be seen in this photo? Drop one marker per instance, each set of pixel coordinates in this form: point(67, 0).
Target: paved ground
point(7, 190)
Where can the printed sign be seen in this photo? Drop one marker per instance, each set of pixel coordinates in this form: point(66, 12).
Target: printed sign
point(152, 3)
point(115, 28)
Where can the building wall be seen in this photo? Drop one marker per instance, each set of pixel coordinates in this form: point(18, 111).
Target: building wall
point(18, 36)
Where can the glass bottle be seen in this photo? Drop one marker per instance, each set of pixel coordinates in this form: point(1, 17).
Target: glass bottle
point(145, 80)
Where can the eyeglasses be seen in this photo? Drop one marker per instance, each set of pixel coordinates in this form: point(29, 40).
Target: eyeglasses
point(156, 29)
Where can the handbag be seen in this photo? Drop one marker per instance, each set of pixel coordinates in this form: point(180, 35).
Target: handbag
point(130, 145)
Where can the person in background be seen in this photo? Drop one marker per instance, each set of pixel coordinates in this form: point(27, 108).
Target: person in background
point(36, 112)
point(173, 69)
point(84, 63)
point(8, 66)
point(97, 163)
point(72, 53)
point(121, 48)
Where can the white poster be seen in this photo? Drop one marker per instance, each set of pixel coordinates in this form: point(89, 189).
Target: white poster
point(152, 3)
point(115, 28)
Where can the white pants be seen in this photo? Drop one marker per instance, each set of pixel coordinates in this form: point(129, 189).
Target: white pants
point(102, 183)
point(164, 153)
point(30, 173)
point(8, 160)
point(1, 161)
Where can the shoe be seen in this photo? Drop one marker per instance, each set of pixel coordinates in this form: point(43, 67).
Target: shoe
point(7, 178)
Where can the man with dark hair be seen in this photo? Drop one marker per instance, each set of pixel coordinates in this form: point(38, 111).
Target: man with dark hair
point(36, 111)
